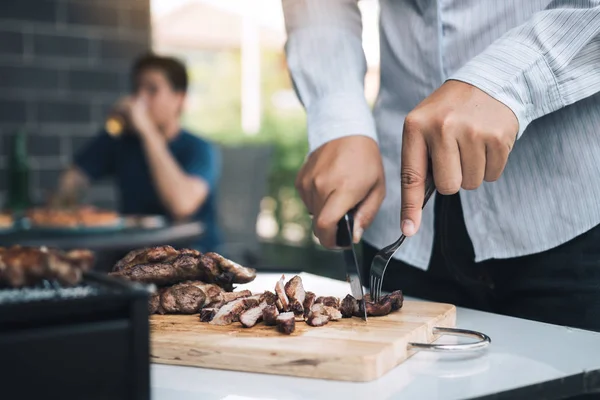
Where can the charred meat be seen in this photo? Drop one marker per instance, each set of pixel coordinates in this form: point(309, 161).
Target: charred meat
point(253, 315)
point(270, 314)
point(231, 311)
point(329, 301)
point(207, 314)
point(349, 307)
point(309, 300)
point(296, 295)
point(283, 303)
point(286, 322)
point(268, 297)
point(182, 298)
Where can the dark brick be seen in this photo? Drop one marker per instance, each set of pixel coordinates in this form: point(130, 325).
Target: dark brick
point(40, 10)
point(13, 111)
point(61, 46)
point(60, 111)
point(86, 13)
point(28, 78)
point(98, 81)
point(39, 145)
point(126, 50)
point(48, 178)
point(11, 43)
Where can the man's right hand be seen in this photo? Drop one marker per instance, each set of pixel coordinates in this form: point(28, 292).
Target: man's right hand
point(338, 176)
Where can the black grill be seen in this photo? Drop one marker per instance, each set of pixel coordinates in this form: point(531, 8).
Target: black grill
point(89, 341)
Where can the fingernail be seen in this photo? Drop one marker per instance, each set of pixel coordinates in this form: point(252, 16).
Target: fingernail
point(408, 227)
point(358, 232)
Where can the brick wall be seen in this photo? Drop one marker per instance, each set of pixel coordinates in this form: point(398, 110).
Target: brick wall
point(62, 64)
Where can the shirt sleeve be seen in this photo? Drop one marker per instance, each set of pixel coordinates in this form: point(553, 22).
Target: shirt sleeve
point(203, 161)
point(97, 157)
point(327, 66)
point(546, 64)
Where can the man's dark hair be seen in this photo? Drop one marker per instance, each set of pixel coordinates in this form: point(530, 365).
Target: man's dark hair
point(173, 69)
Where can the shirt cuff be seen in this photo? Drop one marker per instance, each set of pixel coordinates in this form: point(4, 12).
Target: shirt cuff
point(339, 115)
point(517, 76)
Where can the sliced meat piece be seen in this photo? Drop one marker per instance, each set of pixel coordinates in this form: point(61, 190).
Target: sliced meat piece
point(230, 296)
point(379, 309)
point(329, 301)
point(207, 314)
point(253, 315)
point(309, 300)
point(128, 259)
point(349, 306)
point(270, 314)
point(296, 295)
point(268, 297)
point(62, 269)
point(317, 319)
point(283, 303)
point(333, 313)
point(182, 298)
point(286, 322)
point(397, 299)
point(189, 252)
point(230, 312)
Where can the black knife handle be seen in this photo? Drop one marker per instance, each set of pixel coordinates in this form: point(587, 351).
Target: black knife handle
point(343, 237)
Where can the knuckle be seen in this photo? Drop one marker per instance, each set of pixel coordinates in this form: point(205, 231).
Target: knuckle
point(322, 224)
point(413, 123)
point(410, 178)
point(448, 187)
point(320, 183)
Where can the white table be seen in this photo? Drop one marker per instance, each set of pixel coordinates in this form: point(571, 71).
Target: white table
point(523, 353)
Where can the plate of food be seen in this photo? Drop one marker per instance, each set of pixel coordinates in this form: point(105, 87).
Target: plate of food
point(81, 219)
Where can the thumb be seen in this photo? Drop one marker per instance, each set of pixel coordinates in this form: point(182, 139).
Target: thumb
point(413, 175)
point(367, 209)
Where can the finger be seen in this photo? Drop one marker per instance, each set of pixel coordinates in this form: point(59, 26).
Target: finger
point(447, 170)
point(336, 205)
point(412, 177)
point(496, 157)
point(472, 163)
point(366, 211)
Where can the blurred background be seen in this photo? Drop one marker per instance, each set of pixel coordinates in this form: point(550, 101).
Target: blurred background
point(63, 63)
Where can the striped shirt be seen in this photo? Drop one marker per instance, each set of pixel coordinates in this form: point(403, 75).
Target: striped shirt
point(541, 58)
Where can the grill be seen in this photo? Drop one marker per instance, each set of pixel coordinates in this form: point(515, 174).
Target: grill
point(89, 341)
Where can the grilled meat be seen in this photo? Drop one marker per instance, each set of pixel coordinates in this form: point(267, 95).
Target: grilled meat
point(23, 266)
point(157, 254)
point(182, 298)
point(397, 299)
point(253, 315)
point(270, 314)
point(268, 297)
point(296, 295)
point(153, 302)
point(163, 265)
point(286, 322)
point(349, 307)
point(230, 312)
point(81, 258)
point(329, 301)
point(207, 314)
point(309, 300)
point(333, 313)
point(283, 303)
point(316, 319)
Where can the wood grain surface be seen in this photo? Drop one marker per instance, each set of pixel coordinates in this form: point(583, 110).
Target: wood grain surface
point(347, 350)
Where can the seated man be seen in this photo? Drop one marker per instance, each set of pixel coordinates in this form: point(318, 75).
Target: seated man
point(159, 168)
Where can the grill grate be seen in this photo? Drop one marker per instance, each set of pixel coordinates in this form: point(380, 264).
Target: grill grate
point(49, 290)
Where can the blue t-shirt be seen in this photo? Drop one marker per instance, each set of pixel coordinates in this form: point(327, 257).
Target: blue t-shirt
point(123, 158)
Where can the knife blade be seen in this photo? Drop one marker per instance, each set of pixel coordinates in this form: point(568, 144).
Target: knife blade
point(344, 240)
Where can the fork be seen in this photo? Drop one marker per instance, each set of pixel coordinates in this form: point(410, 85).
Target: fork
point(383, 256)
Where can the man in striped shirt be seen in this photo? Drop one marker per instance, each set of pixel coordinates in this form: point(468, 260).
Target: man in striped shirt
point(501, 97)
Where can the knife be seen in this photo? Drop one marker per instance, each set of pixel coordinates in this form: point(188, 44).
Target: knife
point(344, 240)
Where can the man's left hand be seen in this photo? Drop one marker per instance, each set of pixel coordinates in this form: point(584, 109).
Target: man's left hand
point(140, 117)
point(467, 134)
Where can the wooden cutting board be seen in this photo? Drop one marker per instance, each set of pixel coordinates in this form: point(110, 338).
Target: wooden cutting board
point(347, 350)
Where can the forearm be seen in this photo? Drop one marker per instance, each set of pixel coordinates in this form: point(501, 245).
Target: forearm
point(328, 66)
point(543, 65)
point(180, 193)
